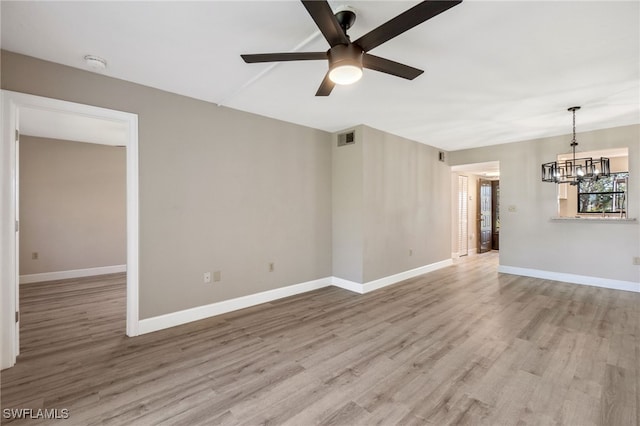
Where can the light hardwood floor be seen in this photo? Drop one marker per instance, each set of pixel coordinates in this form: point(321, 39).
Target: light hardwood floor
point(462, 345)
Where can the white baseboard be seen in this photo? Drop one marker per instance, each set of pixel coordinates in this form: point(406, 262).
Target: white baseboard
point(173, 319)
point(160, 322)
point(391, 279)
point(74, 273)
point(347, 285)
point(572, 278)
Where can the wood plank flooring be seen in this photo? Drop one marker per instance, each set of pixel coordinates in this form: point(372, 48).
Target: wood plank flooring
point(461, 345)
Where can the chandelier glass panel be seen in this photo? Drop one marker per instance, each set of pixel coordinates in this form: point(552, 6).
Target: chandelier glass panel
point(575, 170)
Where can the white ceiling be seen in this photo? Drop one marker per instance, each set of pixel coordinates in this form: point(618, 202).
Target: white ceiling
point(495, 71)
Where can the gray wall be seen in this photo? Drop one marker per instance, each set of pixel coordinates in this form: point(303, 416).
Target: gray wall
point(348, 213)
point(220, 189)
point(407, 205)
point(72, 205)
point(391, 196)
point(529, 239)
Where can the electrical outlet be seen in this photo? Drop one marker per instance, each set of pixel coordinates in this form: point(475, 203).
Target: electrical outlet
point(217, 276)
point(410, 252)
point(636, 260)
point(206, 277)
point(271, 267)
point(34, 255)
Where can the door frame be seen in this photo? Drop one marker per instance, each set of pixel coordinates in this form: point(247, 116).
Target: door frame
point(12, 103)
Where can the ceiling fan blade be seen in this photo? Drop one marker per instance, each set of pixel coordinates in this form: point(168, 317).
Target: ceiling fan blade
point(282, 57)
point(377, 63)
point(325, 87)
point(403, 22)
point(323, 16)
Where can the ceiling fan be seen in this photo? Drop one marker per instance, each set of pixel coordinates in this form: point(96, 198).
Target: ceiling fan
point(347, 58)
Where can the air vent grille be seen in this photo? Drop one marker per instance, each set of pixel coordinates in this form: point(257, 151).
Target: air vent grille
point(348, 138)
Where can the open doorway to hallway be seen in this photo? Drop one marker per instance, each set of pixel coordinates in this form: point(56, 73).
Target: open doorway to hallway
point(39, 117)
point(475, 208)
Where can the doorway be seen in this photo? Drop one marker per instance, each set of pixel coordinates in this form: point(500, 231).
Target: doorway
point(475, 206)
point(20, 110)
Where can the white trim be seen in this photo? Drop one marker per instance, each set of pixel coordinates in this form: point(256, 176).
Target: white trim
point(72, 273)
point(173, 319)
point(392, 279)
point(133, 227)
point(571, 278)
point(11, 104)
point(9, 347)
point(347, 285)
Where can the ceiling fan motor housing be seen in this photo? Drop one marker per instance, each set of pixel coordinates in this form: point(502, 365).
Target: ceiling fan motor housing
point(345, 54)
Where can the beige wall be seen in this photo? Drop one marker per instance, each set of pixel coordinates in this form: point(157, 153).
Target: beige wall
point(391, 197)
point(72, 205)
point(529, 239)
point(220, 189)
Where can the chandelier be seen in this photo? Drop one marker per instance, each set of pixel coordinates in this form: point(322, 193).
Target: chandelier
point(575, 170)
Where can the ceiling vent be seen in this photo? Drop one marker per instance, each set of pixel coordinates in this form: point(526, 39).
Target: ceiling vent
point(348, 138)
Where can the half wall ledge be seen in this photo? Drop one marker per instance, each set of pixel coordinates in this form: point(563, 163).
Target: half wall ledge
point(628, 221)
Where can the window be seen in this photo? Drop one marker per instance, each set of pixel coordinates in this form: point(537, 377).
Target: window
point(606, 195)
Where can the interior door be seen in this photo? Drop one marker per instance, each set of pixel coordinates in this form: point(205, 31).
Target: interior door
point(484, 216)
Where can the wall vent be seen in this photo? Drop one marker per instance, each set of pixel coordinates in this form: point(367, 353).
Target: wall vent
point(441, 156)
point(348, 138)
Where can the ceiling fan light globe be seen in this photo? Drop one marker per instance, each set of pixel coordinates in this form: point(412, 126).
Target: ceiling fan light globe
point(345, 74)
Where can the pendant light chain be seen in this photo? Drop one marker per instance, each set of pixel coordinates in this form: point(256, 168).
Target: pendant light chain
point(574, 127)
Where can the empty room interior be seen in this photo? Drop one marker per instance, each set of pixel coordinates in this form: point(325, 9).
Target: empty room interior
point(311, 212)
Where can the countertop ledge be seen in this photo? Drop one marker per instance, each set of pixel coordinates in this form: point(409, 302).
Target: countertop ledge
point(632, 220)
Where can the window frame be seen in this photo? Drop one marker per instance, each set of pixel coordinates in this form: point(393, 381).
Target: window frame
point(616, 206)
